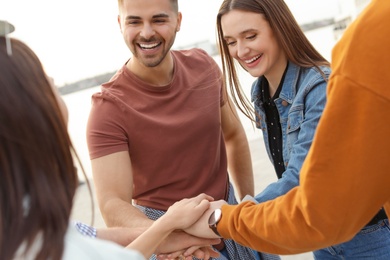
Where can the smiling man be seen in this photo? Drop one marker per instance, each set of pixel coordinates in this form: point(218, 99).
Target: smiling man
point(162, 129)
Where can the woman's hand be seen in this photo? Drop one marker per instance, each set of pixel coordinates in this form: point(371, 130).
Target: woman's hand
point(185, 212)
point(201, 227)
point(180, 215)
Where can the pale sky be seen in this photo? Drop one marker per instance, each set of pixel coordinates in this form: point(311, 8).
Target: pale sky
point(77, 39)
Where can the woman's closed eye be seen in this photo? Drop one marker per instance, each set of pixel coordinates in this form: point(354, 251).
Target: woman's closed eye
point(251, 37)
point(230, 42)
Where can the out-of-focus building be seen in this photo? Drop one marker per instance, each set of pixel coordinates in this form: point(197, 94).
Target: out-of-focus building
point(348, 10)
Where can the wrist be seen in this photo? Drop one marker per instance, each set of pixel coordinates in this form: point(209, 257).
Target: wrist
point(164, 225)
point(214, 219)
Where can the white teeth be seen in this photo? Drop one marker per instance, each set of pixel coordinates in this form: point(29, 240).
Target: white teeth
point(253, 59)
point(148, 46)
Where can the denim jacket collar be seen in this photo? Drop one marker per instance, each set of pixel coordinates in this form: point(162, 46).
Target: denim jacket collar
point(288, 91)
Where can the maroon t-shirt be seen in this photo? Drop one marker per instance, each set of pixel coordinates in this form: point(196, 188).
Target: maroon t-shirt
point(173, 133)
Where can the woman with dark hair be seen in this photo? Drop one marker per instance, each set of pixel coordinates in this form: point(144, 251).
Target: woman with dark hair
point(38, 174)
point(289, 97)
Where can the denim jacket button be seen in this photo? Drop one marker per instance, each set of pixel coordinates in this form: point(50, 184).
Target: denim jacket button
point(284, 103)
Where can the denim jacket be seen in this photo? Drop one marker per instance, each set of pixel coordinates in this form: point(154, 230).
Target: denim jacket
point(300, 105)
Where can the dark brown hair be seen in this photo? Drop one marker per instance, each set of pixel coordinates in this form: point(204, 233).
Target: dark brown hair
point(174, 4)
point(37, 171)
point(297, 47)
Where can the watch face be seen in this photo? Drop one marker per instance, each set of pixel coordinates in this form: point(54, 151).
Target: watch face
point(215, 217)
point(217, 214)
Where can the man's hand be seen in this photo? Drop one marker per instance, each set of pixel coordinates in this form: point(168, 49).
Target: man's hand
point(179, 241)
point(198, 252)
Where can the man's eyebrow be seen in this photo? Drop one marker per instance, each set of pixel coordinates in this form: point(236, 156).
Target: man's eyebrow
point(134, 17)
point(162, 15)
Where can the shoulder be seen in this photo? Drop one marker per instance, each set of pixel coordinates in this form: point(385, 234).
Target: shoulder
point(116, 79)
point(312, 76)
point(313, 73)
point(190, 52)
point(110, 93)
point(194, 55)
point(197, 66)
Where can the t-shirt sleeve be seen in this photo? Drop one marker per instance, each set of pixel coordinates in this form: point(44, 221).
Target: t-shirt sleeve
point(105, 131)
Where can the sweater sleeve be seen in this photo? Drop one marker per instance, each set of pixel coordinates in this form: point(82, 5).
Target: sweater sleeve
point(345, 178)
point(343, 181)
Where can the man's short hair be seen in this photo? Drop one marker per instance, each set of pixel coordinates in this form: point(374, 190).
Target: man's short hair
point(174, 3)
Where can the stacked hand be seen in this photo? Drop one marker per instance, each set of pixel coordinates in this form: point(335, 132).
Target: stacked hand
point(191, 215)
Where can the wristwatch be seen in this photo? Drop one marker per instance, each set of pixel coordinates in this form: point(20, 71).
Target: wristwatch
point(215, 217)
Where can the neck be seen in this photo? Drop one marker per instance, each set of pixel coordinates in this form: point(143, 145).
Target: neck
point(160, 75)
point(275, 78)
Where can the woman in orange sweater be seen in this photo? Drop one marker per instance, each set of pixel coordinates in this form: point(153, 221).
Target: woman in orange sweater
point(345, 178)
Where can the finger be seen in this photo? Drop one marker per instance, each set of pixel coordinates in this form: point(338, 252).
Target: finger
point(214, 253)
point(176, 254)
point(173, 255)
point(207, 255)
point(199, 253)
point(198, 199)
point(191, 251)
point(203, 196)
point(203, 205)
point(204, 253)
point(215, 241)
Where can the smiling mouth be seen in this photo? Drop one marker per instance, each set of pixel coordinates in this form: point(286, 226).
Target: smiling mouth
point(149, 46)
point(253, 59)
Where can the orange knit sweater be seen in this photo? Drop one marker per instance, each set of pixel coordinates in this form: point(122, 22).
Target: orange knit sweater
point(346, 176)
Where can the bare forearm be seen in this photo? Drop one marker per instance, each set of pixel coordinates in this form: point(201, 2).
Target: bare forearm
point(119, 213)
point(240, 166)
point(239, 158)
point(119, 235)
point(148, 242)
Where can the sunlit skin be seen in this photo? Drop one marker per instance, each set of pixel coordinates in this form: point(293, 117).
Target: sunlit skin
point(149, 29)
point(253, 44)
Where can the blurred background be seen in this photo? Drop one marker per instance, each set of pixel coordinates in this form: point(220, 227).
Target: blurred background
point(80, 46)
